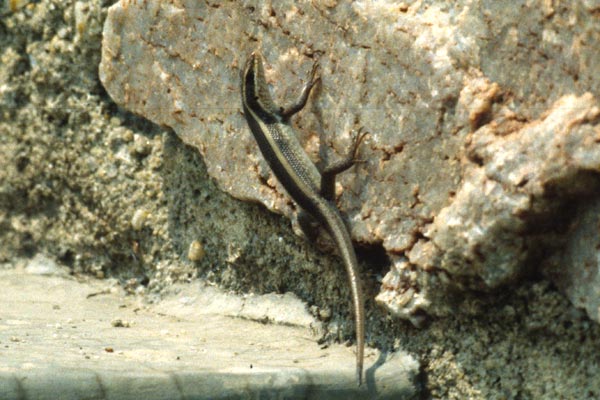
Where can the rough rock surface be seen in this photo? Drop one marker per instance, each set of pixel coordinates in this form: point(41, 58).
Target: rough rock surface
point(517, 178)
point(470, 156)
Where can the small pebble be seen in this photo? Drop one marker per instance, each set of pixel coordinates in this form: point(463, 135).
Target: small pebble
point(141, 145)
point(119, 323)
point(139, 218)
point(196, 251)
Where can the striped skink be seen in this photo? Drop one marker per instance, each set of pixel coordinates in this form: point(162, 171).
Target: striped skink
point(311, 189)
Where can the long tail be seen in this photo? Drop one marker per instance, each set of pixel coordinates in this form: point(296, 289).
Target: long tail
point(339, 232)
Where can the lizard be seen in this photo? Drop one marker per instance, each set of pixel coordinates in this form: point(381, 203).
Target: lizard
point(311, 188)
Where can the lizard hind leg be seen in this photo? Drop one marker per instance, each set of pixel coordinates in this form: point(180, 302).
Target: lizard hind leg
point(330, 171)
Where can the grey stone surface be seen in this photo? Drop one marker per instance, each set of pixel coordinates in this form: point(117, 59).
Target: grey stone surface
point(59, 339)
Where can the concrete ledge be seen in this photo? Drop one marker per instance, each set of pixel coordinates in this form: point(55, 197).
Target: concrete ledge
point(60, 338)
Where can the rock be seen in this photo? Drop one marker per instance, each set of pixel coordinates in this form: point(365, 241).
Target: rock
point(477, 140)
point(515, 180)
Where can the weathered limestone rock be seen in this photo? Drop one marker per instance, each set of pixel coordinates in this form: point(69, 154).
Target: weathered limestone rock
point(515, 178)
point(520, 185)
point(482, 130)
